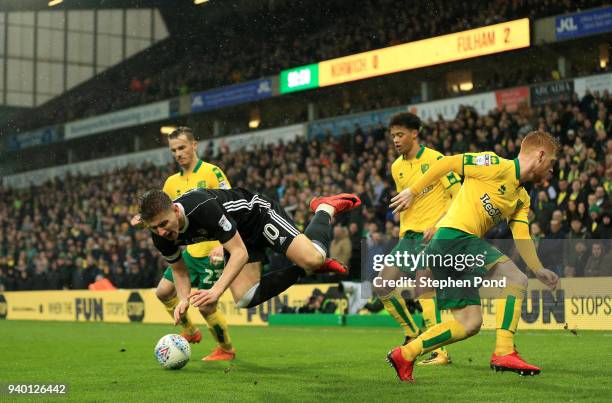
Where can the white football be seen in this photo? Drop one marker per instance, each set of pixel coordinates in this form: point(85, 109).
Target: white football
point(172, 351)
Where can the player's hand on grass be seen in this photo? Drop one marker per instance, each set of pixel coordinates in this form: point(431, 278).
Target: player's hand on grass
point(216, 255)
point(180, 310)
point(548, 278)
point(136, 221)
point(402, 201)
point(204, 297)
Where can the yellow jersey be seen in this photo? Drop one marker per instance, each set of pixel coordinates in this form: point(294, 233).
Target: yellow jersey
point(490, 193)
point(435, 200)
point(204, 175)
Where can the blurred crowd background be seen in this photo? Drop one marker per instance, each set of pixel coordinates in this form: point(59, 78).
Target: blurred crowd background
point(68, 233)
point(303, 34)
point(73, 231)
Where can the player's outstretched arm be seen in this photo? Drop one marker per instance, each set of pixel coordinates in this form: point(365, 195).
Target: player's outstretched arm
point(239, 256)
point(183, 287)
point(403, 200)
point(526, 248)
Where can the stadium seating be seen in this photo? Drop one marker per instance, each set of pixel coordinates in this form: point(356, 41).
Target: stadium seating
point(227, 57)
point(67, 233)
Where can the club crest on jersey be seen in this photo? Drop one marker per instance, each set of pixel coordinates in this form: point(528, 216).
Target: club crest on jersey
point(424, 167)
point(202, 184)
point(225, 223)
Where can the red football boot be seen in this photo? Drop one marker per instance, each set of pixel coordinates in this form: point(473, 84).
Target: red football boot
point(514, 363)
point(333, 266)
point(402, 366)
point(340, 202)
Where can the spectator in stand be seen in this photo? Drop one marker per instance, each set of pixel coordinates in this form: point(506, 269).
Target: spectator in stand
point(551, 248)
point(340, 248)
point(604, 229)
point(599, 263)
point(575, 252)
point(84, 218)
point(594, 212)
point(543, 209)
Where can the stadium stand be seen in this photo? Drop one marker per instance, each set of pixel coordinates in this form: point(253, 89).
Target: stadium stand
point(67, 233)
point(184, 63)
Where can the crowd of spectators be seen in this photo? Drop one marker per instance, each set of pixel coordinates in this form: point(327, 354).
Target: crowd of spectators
point(69, 232)
point(302, 32)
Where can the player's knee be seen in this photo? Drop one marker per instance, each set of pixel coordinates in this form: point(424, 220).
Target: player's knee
point(383, 291)
point(384, 284)
point(522, 279)
point(245, 300)
point(515, 276)
point(312, 261)
point(206, 310)
point(163, 293)
point(473, 326)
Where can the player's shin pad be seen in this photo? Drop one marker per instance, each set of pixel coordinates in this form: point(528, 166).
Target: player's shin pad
point(431, 313)
point(273, 283)
point(396, 306)
point(508, 312)
point(436, 337)
point(217, 326)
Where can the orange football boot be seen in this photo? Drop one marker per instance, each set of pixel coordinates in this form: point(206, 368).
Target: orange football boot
point(219, 354)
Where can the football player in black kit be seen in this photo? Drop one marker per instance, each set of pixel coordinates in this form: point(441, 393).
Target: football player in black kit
point(245, 223)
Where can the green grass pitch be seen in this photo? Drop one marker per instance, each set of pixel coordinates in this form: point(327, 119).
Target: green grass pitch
point(293, 364)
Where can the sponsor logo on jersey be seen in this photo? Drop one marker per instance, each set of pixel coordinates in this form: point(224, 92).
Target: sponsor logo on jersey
point(481, 160)
point(225, 223)
point(223, 185)
point(494, 212)
point(427, 190)
point(502, 189)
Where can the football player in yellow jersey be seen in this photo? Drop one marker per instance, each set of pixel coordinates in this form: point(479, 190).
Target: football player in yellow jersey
point(417, 226)
point(204, 260)
point(492, 191)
